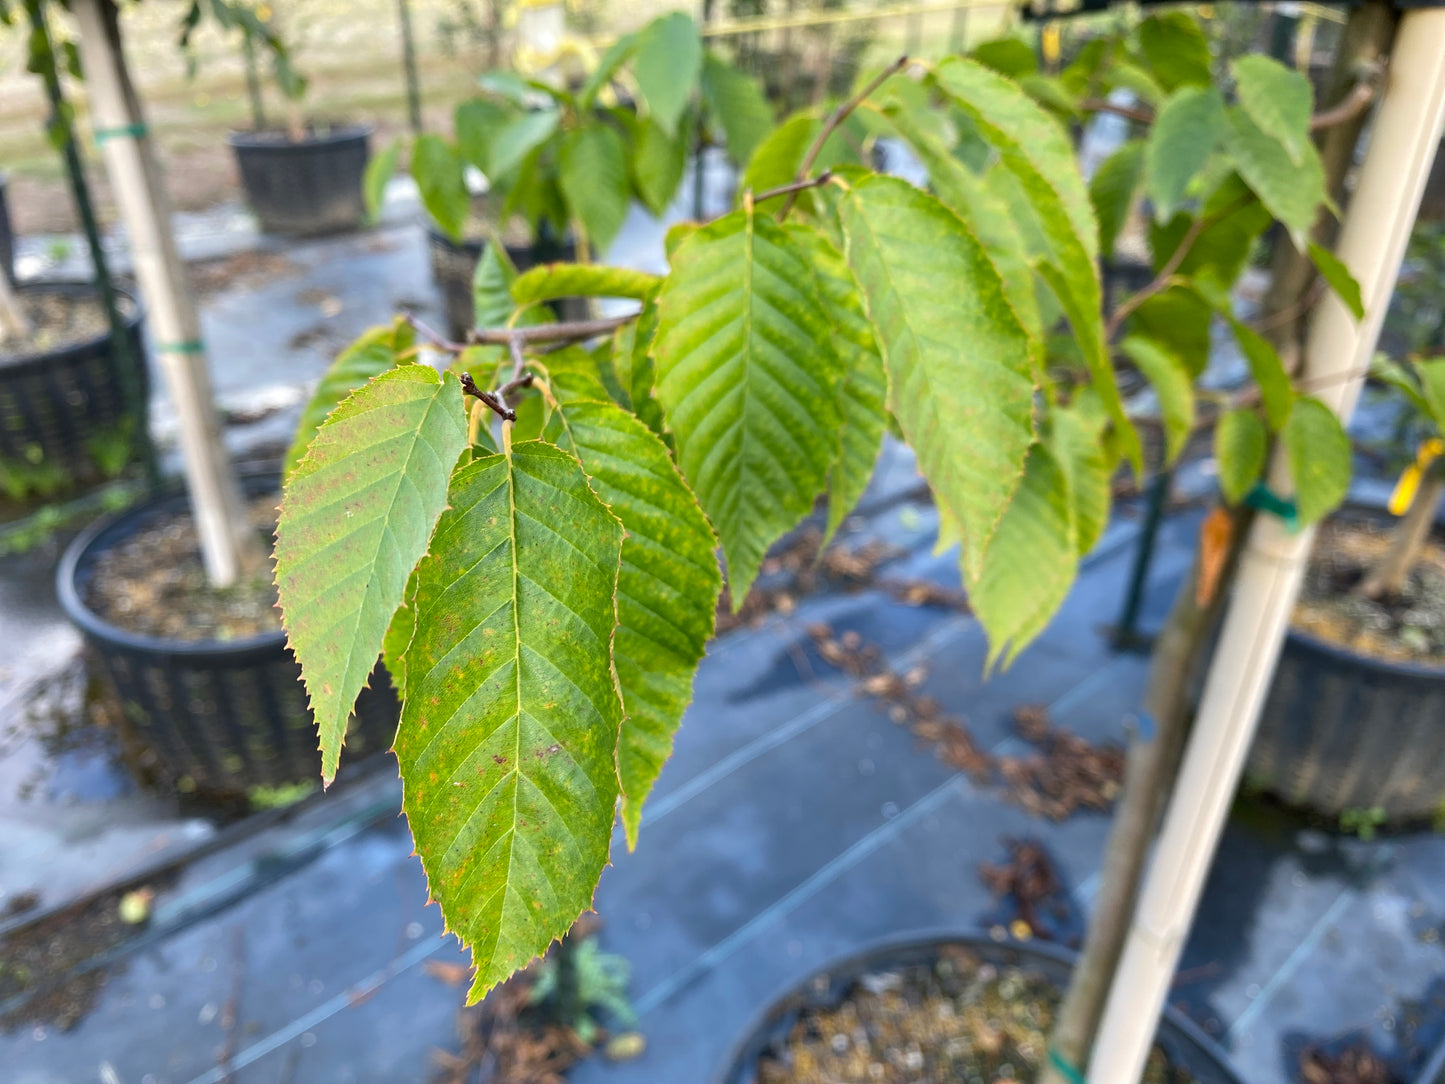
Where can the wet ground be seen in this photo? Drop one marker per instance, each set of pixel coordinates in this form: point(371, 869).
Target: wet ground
point(795, 822)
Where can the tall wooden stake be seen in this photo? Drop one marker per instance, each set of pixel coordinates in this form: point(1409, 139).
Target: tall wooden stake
point(227, 542)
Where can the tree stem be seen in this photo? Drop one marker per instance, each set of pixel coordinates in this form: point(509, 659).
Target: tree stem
point(1388, 577)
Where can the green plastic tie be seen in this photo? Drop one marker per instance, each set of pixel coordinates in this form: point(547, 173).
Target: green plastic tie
point(1071, 1073)
point(190, 346)
point(1263, 499)
point(131, 131)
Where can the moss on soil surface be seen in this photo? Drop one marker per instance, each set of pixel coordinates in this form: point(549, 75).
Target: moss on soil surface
point(957, 1021)
point(1408, 629)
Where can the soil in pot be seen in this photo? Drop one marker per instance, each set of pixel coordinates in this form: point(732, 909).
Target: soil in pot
point(957, 1020)
point(56, 321)
point(1410, 628)
point(155, 583)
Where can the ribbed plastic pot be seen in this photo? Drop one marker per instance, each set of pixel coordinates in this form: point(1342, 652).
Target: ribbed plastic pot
point(453, 264)
point(219, 717)
point(54, 405)
point(305, 188)
point(1181, 1040)
point(7, 232)
point(1344, 731)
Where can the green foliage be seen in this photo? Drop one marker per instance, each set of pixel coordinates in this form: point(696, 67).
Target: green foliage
point(1338, 276)
point(358, 510)
point(543, 607)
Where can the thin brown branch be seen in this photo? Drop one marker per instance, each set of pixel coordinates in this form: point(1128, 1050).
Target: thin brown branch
point(434, 337)
point(793, 187)
point(489, 399)
point(575, 331)
point(837, 117)
point(1139, 114)
point(1351, 106)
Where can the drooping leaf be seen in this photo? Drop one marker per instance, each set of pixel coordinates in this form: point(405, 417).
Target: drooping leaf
point(1030, 562)
point(399, 633)
point(1175, 49)
point(1181, 140)
point(1240, 445)
point(667, 65)
point(438, 171)
point(1173, 387)
point(658, 161)
point(479, 121)
point(749, 388)
point(357, 514)
point(1291, 191)
point(959, 363)
point(518, 140)
point(1037, 154)
point(1275, 390)
point(863, 392)
point(737, 104)
point(618, 54)
point(1391, 372)
point(636, 372)
point(1277, 99)
point(983, 213)
point(1074, 439)
point(492, 278)
point(1112, 189)
point(376, 351)
point(1179, 316)
point(594, 180)
point(510, 716)
point(1431, 372)
point(666, 593)
point(1007, 56)
point(1233, 220)
point(777, 159)
point(1319, 458)
point(1338, 276)
point(379, 171)
point(552, 280)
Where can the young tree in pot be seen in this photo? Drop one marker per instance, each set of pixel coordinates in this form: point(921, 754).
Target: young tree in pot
point(303, 179)
point(542, 603)
point(564, 163)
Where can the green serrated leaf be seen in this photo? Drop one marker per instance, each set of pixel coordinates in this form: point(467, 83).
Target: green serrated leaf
point(1181, 317)
point(510, 716)
point(1234, 219)
point(478, 122)
point(1277, 99)
point(357, 514)
point(1391, 372)
point(959, 361)
point(594, 180)
point(1173, 387)
point(1030, 562)
point(492, 278)
point(667, 66)
point(379, 171)
point(632, 361)
point(1338, 276)
point(552, 280)
point(750, 395)
point(1319, 458)
point(1035, 150)
point(1007, 56)
point(1111, 190)
point(986, 216)
point(658, 161)
point(736, 103)
point(863, 392)
point(1292, 192)
point(515, 143)
point(439, 177)
point(618, 54)
point(1176, 50)
point(666, 593)
point(1431, 372)
point(1181, 140)
point(1275, 390)
point(1076, 440)
point(376, 351)
point(399, 633)
point(1240, 445)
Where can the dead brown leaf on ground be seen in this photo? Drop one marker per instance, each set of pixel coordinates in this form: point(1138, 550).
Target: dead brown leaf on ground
point(1357, 1065)
point(1029, 879)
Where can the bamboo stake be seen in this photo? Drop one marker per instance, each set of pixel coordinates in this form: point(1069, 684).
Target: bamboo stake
point(228, 544)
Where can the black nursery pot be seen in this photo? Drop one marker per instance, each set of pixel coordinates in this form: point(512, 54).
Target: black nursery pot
point(219, 717)
point(56, 403)
point(453, 264)
point(1186, 1046)
point(306, 188)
